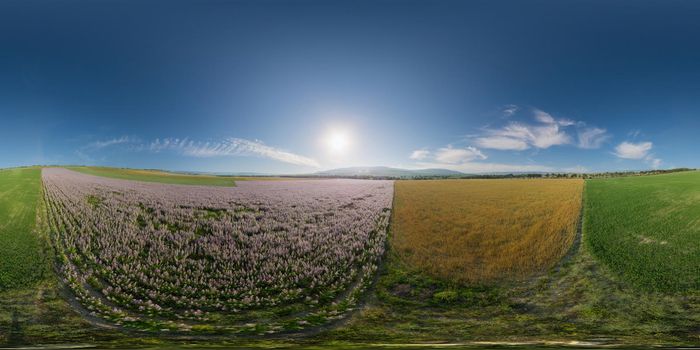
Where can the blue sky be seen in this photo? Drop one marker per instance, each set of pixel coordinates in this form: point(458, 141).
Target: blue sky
point(231, 86)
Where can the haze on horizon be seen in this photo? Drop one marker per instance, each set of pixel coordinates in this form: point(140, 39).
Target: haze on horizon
point(303, 86)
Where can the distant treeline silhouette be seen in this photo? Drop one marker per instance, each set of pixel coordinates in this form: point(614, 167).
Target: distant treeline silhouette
point(506, 176)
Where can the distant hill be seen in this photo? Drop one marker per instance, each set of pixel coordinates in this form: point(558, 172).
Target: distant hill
point(382, 171)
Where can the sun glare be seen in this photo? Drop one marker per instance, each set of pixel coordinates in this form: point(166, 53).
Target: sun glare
point(338, 141)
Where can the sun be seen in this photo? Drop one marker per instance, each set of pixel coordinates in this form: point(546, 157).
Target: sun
point(337, 141)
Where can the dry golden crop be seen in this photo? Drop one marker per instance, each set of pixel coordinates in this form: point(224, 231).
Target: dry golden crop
point(481, 231)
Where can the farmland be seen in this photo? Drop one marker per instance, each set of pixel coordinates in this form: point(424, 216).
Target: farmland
point(481, 231)
point(139, 253)
point(22, 259)
point(578, 297)
point(303, 262)
point(647, 229)
point(157, 176)
point(32, 308)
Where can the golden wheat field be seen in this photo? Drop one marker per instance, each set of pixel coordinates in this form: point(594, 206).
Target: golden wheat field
point(482, 231)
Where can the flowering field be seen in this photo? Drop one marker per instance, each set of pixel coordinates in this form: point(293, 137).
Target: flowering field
point(262, 257)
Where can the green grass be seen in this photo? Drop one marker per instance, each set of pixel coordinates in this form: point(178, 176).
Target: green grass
point(22, 252)
point(33, 309)
point(647, 229)
point(157, 176)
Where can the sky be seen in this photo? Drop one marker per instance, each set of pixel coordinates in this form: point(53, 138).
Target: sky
point(301, 86)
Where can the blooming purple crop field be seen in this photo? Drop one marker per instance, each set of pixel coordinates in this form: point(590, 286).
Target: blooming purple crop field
point(189, 258)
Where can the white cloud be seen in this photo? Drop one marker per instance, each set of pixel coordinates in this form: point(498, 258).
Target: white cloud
point(592, 138)
point(544, 117)
point(159, 145)
point(98, 145)
point(547, 136)
point(629, 150)
point(187, 147)
point(87, 152)
point(502, 143)
point(510, 110)
point(566, 122)
point(548, 132)
point(469, 160)
point(419, 154)
point(518, 137)
point(451, 155)
point(230, 147)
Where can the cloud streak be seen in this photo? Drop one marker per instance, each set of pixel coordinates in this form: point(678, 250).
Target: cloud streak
point(509, 110)
point(592, 138)
point(419, 154)
point(229, 147)
point(98, 145)
point(451, 155)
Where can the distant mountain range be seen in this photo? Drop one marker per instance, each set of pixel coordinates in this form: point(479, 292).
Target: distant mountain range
point(382, 171)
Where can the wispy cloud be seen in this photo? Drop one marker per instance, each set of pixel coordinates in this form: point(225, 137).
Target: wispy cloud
point(419, 154)
point(546, 118)
point(592, 138)
point(86, 152)
point(509, 110)
point(202, 149)
point(230, 147)
point(544, 131)
point(450, 155)
point(634, 133)
point(520, 136)
point(629, 150)
point(98, 145)
point(503, 143)
point(548, 131)
point(469, 160)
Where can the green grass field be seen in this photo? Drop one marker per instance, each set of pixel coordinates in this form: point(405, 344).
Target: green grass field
point(22, 258)
point(647, 228)
point(157, 176)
